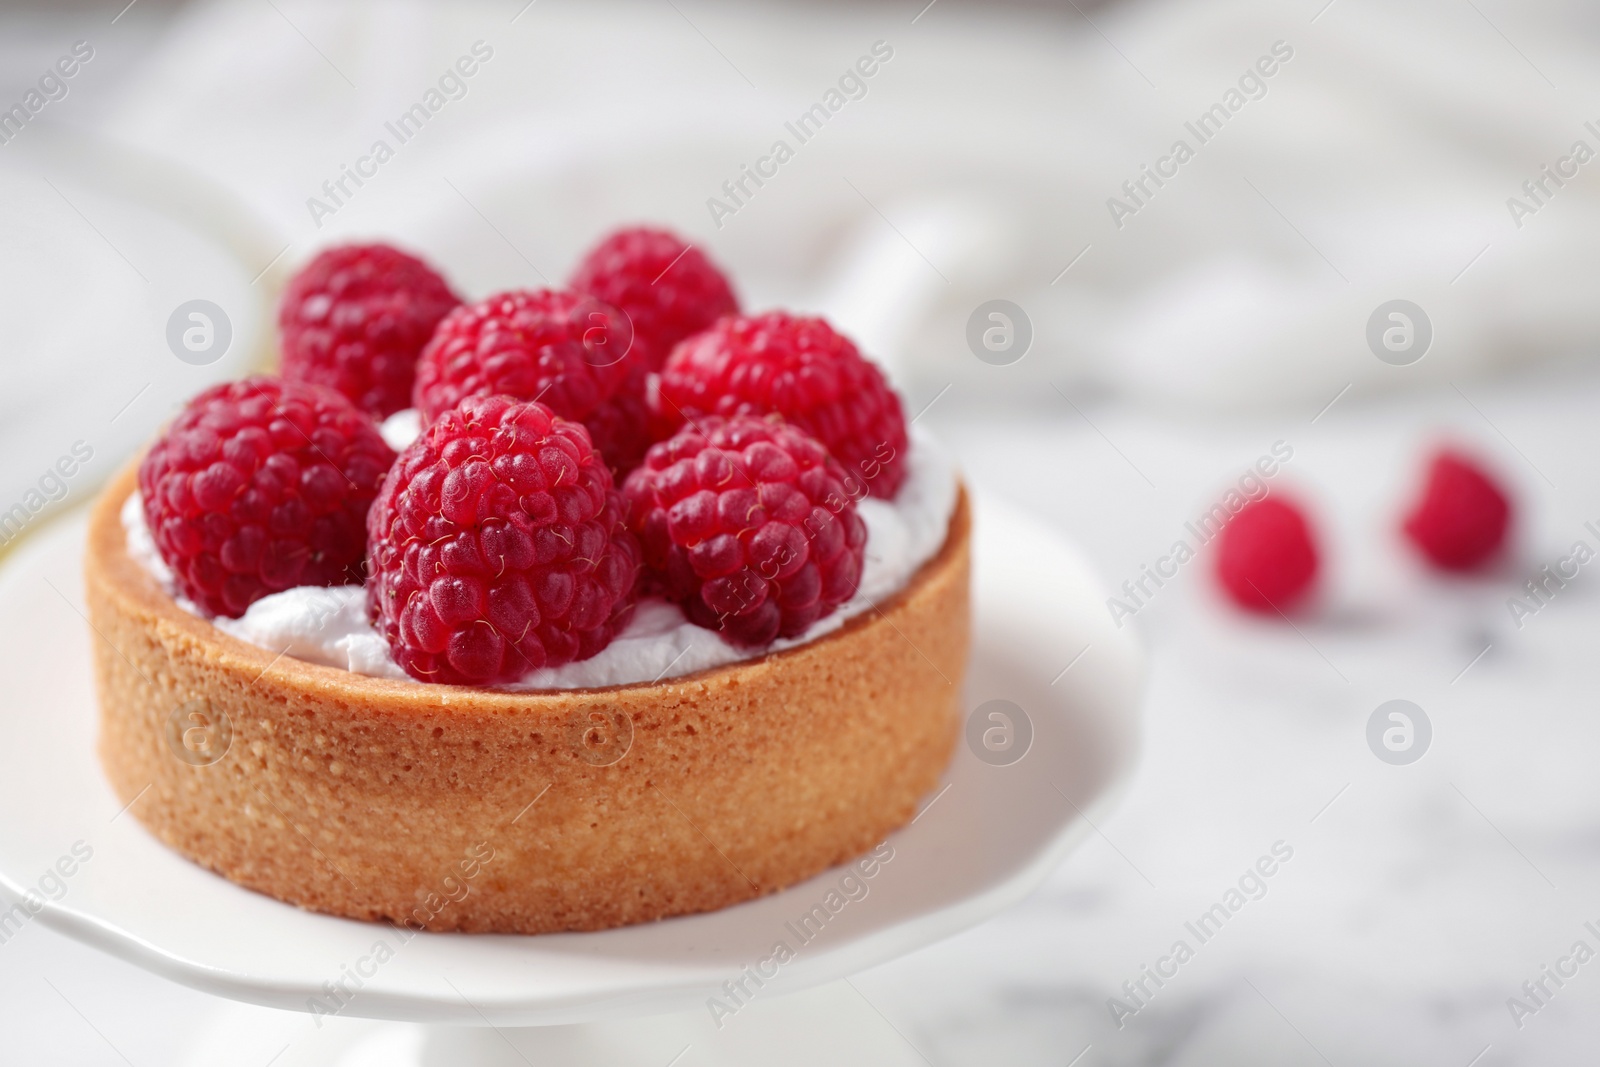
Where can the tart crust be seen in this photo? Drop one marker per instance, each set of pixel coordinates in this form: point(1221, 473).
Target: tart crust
point(456, 808)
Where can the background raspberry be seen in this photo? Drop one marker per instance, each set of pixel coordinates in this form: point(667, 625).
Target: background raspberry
point(1460, 521)
point(261, 485)
point(498, 546)
point(1266, 559)
point(621, 426)
point(666, 286)
point(748, 525)
point(565, 350)
point(356, 318)
point(802, 369)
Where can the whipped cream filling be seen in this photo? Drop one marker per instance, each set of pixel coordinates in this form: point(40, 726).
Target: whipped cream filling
point(329, 625)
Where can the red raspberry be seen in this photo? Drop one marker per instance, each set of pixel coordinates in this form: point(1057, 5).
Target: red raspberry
point(499, 545)
point(259, 486)
point(1267, 559)
point(1461, 520)
point(356, 318)
point(666, 286)
point(621, 427)
point(747, 524)
point(801, 369)
point(565, 350)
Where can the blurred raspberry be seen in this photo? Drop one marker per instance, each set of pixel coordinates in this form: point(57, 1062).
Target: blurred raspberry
point(666, 286)
point(1266, 559)
point(1460, 521)
point(747, 524)
point(498, 546)
point(801, 369)
point(356, 317)
point(621, 426)
point(259, 486)
point(565, 350)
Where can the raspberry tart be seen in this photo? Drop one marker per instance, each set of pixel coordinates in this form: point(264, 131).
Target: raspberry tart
point(473, 673)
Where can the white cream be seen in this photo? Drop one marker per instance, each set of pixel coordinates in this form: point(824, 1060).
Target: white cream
point(328, 624)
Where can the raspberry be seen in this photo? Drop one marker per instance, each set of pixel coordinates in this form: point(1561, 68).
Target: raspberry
point(1267, 560)
point(1461, 520)
point(801, 369)
point(621, 427)
point(666, 286)
point(356, 317)
point(261, 485)
point(565, 350)
point(747, 524)
point(499, 545)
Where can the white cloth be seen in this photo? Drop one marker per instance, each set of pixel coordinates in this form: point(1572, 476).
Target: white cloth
point(1377, 165)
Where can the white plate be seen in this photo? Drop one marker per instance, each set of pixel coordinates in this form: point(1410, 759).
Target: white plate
point(989, 838)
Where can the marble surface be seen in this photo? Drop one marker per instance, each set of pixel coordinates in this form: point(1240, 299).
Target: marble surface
point(1419, 898)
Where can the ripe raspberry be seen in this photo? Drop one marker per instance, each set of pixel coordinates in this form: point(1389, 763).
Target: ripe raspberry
point(499, 545)
point(801, 369)
point(565, 350)
point(1267, 560)
point(747, 524)
point(1461, 519)
point(664, 284)
point(356, 317)
point(261, 485)
point(621, 427)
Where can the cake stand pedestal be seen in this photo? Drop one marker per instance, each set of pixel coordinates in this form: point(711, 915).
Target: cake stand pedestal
point(1049, 735)
point(830, 1025)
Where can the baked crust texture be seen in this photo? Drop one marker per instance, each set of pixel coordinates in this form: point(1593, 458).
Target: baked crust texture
point(452, 808)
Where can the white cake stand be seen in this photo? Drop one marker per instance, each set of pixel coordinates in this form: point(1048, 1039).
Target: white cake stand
point(643, 994)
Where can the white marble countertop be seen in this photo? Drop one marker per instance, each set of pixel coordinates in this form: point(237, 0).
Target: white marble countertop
point(1419, 898)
